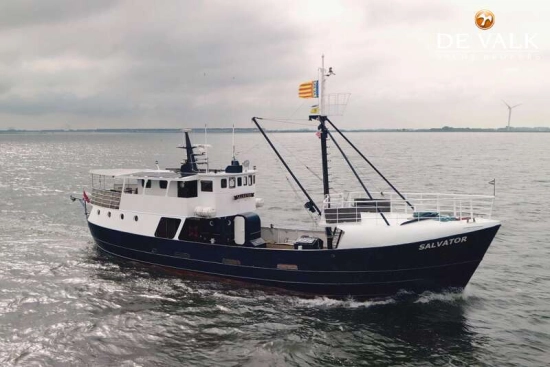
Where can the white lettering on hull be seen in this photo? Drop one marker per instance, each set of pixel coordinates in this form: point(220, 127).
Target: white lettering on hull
point(436, 244)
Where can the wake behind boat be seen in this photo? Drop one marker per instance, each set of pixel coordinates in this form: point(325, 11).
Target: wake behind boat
point(204, 221)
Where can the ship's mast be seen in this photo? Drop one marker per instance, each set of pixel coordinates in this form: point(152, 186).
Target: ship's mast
point(323, 130)
point(322, 127)
point(322, 86)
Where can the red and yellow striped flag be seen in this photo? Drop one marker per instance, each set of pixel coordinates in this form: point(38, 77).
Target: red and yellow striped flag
point(309, 89)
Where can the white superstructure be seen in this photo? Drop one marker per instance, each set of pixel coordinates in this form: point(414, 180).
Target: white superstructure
point(133, 200)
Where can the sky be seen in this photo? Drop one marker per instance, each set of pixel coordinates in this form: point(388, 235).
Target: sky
point(73, 64)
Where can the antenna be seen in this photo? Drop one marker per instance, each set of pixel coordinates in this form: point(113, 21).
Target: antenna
point(510, 112)
point(322, 89)
point(206, 146)
point(330, 104)
point(233, 141)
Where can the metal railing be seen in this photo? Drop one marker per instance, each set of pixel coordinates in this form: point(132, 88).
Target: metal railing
point(106, 198)
point(339, 208)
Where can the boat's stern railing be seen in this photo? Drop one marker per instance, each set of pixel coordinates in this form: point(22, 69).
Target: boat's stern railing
point(339, 208)
point(106, 198)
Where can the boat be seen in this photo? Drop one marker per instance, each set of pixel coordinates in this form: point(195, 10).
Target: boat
point(202, 221)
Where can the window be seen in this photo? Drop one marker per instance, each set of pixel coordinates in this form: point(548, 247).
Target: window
point(206, 186)
point(239, 181)
point(187, 189)
point(245, 182)
point(232, 183)
point(191, 230)
point(167, 227)
point(224, 183)
point(249, 180)
point(254, 180)
point(148, 183)
point(218, 231)
point(163, 184)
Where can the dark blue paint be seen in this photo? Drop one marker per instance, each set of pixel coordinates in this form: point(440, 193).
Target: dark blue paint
point(362, 273)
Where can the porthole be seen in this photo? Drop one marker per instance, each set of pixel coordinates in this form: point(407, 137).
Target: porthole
point(109, 214)
point(135, 218)
point(98, 211)
point(121, 216)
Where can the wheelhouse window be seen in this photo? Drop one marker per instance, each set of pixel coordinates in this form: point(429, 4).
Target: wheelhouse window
point(239, 181)
point(167, 227)
point(148, 185)
point(187, 189)
point(254, 180)
point(131, 186)
point(207, 186)
point(250, 180)
point(232, 183)
point(163, 184)
point(245, 182)
point(224, 183)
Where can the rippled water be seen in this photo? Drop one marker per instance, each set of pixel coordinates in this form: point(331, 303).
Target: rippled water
point(63, 303)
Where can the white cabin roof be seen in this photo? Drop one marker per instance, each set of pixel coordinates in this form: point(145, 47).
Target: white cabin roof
point(141, 173)
point(131, 172)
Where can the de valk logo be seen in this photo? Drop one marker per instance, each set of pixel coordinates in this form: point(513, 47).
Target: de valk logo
point(484, 19)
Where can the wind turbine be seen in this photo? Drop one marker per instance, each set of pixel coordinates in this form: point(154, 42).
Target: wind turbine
point(510, 112)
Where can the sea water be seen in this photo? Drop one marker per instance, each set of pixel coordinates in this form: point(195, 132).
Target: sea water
point(64, 304)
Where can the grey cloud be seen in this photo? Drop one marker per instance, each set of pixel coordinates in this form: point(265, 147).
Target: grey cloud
point(131, 63)
point(101, 106)
point(21, 13)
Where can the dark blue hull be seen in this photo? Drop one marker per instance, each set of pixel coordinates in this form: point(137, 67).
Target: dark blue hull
point(361, 273)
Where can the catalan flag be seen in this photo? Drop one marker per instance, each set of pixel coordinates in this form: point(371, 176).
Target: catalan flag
point(309, 89)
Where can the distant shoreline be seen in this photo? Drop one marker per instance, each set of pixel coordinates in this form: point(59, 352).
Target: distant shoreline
point(445, 129)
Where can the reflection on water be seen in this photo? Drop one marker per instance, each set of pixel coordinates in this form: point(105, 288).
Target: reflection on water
point(407, 329)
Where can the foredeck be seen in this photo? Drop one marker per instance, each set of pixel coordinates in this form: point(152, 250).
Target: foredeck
point(355, 208)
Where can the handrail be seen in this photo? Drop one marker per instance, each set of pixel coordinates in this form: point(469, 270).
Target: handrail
point(106, 198)
point(339, 208)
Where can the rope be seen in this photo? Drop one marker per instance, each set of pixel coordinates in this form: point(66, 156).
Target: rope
point(288, 121)
point(295, 157)
point(314, 223)
point(284, 173)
